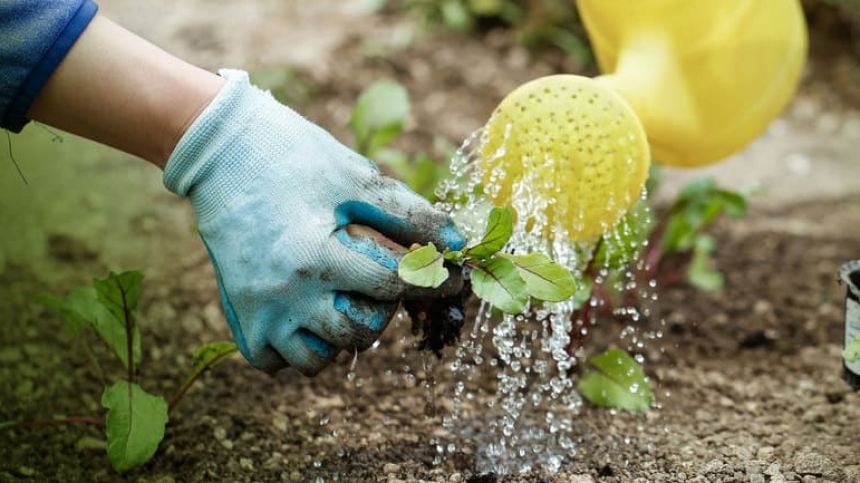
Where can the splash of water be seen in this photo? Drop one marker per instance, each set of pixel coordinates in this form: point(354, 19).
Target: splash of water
point(529, 416)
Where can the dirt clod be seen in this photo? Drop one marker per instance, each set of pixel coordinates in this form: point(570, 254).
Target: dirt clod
point(439, 321)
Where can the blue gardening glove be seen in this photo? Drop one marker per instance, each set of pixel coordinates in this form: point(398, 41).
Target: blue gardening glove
point(274, 194)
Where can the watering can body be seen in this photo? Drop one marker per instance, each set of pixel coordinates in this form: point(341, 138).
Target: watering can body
point(705, 77)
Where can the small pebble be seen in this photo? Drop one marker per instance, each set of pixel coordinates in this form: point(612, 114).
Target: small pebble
point(26, 471)
point(90, 443)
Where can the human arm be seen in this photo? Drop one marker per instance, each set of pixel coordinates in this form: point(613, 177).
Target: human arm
point(277, 198)
point(117, 89)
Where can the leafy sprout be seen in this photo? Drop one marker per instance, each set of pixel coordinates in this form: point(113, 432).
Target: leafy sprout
point(614, 379)
point(504, 280)
point(135, 420)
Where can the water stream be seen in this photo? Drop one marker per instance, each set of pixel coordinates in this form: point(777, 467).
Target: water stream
point(527, 419)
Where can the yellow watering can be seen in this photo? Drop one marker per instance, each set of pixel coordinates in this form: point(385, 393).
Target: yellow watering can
point(705, 77)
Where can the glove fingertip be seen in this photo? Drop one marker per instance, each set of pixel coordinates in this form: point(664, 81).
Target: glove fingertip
point(451, 236)
point(317, 344)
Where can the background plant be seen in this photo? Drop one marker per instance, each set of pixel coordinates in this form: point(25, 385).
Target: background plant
point(537, 24)
point(135, 419)
point(377, 121)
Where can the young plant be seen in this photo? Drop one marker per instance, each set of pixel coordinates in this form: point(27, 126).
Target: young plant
point(614, 379)
point(674, 249)
point(680, 233)
point(537, 23)
point(377, 121)
point(135, 419)
point(504, 280)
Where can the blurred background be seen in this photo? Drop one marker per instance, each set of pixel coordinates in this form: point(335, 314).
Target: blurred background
point(456, 58)
point(87, 208)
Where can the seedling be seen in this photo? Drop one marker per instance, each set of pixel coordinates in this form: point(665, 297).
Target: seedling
point(504, 280)
point(614, 379)
point(377, 121)
point(135, 419)
point(675, 248)
point(538, 23)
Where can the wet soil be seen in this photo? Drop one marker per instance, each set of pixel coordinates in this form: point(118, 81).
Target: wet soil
point(748, 380)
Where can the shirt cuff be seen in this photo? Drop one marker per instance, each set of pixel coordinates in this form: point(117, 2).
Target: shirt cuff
point(16, 114)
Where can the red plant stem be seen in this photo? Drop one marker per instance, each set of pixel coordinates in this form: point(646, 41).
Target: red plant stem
point(180, 393)
point(186, 385)
point(672, 278)
point(129, 336)
point(604, 301)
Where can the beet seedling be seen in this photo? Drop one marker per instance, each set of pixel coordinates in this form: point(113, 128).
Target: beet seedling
point(504, 280)
point(135, 419)
point(377, 121)
point(672, 250)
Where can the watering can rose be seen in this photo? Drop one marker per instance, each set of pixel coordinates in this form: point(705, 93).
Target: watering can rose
point(573, 142)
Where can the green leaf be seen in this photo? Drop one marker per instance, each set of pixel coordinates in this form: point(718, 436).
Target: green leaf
point(427, 173)
point(378, 116)
point(421, 173)
point(697, 206)
point(423, 267)
point(499, 229)
point(119, 293)
point(545, 279)
point(454, 256)
point(614, 380)
point(207, 355)
point(620, 246)
point(82, 310)
point(852, 351)
point(498, 282)
point(486, 7)
point(583, 292)
point(456, 16)
point(394, 162)
point(4, 425)
point(134, 425)
point(697, 188)
point(288, 85)
point(701, 273)
point(734, 204)
point(74, 320)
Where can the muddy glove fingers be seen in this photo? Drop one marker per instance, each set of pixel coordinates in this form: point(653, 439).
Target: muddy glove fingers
point(402, 217)
point(365, 262)
point(299, 348)
point(351, 321)
point(273, 193)
point(391, 208)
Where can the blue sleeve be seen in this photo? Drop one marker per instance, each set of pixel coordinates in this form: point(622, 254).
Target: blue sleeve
point(35, 36)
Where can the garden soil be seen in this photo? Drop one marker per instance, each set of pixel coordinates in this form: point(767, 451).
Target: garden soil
point(747, 380)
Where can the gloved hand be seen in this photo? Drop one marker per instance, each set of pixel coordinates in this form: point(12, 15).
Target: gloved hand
point(274, 194)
